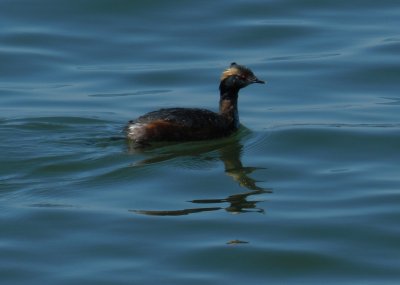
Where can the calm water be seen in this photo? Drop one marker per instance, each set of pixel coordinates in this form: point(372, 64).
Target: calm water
point(307, 192)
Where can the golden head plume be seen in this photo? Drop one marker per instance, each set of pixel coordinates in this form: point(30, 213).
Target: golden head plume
point(236, 69)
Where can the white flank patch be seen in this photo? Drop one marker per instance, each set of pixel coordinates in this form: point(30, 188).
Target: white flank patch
point(135, 131)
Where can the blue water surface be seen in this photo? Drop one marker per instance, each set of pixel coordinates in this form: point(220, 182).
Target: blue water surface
point(306, 192)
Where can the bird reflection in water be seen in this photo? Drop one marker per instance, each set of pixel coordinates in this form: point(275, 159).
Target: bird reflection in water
point(229, 152)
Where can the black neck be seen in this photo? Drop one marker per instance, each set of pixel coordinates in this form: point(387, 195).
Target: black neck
point(228, 104)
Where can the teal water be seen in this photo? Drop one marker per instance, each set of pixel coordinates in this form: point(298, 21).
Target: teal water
point(307, 192)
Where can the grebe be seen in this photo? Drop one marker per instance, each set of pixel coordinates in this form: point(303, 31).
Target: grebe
point(188, 124)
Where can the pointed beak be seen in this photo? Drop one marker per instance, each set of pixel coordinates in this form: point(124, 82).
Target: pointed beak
point(256, 80)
